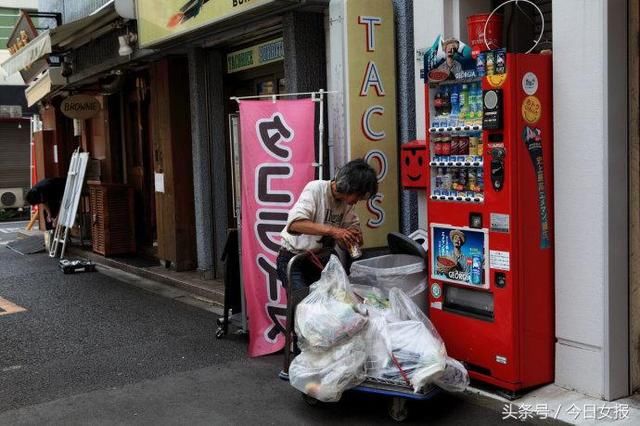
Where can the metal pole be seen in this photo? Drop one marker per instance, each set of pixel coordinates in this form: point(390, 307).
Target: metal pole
point(239, 98)
point(321, 137)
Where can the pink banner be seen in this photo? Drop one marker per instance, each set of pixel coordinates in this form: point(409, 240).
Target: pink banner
point(277, 144)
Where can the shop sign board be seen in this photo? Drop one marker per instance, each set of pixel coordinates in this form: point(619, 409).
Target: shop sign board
point(277, 157)
point(255, 56)
point(23, 32)
point(80, 107)
point(370, 107)
point(160, 20)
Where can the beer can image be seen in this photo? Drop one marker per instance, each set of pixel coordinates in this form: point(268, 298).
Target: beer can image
point(480, 61)
point(476, 270)
point(489, 62)
point(500, 61)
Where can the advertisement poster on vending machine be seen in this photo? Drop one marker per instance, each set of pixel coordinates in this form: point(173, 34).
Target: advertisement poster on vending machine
point(459, 255)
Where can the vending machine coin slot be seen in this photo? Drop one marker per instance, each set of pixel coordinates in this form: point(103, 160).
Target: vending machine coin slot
point(475, 220)
point(501, 280)
point(497, 168)
point(492, 109)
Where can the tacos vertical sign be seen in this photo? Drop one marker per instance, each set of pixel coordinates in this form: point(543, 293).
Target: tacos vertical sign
point(367, 57)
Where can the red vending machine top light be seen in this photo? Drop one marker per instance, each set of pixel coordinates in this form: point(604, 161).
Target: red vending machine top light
point(489, 146)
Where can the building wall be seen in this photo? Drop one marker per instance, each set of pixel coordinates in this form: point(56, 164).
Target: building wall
point(590, 176)
point(71, 10)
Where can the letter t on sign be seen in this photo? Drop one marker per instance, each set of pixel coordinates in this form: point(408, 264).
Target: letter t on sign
point(370, 22)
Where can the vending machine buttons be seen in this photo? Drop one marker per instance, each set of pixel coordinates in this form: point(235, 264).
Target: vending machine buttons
point(497, 168)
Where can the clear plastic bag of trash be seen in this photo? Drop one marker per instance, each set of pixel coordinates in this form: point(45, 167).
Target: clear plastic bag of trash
point(403, 271)
point(371, 296)
point(326, 375)
point(403, 347)
point(330, 313)
point(455, 377)
point(421, 348)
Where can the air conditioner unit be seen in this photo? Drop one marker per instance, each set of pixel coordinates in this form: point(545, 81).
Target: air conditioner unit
point(11, 198)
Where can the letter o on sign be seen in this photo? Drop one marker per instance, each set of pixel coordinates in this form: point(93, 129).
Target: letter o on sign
point(80, 107)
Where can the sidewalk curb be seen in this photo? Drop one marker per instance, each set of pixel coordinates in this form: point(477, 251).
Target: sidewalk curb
point(553, 404)
point(212, 296)
point(161, 289)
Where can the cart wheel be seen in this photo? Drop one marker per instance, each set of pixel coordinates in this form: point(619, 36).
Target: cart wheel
point(398, 409)
point(219, 333)
point(310, 400)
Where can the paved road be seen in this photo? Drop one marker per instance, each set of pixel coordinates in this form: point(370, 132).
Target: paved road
point(90, 349)
point(8, 231)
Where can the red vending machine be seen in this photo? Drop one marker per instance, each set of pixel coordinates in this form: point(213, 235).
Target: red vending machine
point(490, 149)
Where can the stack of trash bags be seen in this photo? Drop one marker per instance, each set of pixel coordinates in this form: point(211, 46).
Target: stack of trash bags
point(347, 338)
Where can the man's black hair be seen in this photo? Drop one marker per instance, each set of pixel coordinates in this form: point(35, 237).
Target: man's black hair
point(33, 197)
point(357, 177)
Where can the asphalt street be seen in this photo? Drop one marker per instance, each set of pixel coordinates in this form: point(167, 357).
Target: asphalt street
point(92, 349)
point(8, 231)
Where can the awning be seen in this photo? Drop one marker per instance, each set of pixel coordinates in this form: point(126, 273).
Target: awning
point(44, 84)
point(64, 37)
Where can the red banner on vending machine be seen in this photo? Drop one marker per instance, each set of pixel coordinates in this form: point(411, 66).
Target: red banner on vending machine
point(277, 149)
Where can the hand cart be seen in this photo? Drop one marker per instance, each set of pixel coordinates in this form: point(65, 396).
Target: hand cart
point(398, 391)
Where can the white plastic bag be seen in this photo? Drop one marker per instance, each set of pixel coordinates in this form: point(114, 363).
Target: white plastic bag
point(330, 313)
point(417, 352)
point(455, 377)
point(326, 375)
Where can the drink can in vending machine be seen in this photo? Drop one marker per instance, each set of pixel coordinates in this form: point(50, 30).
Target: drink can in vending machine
point(446, 146)
point(473, 145)
point(437, 145)
point(455, 145)
point(471, 180)
point(463, 145)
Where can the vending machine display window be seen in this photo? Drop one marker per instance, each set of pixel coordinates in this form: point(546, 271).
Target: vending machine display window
point(459, 255)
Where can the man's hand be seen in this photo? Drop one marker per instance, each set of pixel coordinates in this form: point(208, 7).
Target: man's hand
point(346, 237)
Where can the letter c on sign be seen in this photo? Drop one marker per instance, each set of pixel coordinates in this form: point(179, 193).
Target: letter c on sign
point(366, 123)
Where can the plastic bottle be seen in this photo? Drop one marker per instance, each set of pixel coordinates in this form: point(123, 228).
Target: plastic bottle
point(477, 104)
point(446, 101)
point(454, 99)
point(464, 105)
point(437, 103)
point(471, 116)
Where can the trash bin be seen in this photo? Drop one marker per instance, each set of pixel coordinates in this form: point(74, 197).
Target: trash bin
point(405, 268)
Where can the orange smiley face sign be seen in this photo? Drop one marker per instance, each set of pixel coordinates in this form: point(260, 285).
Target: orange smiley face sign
point(531, 109)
